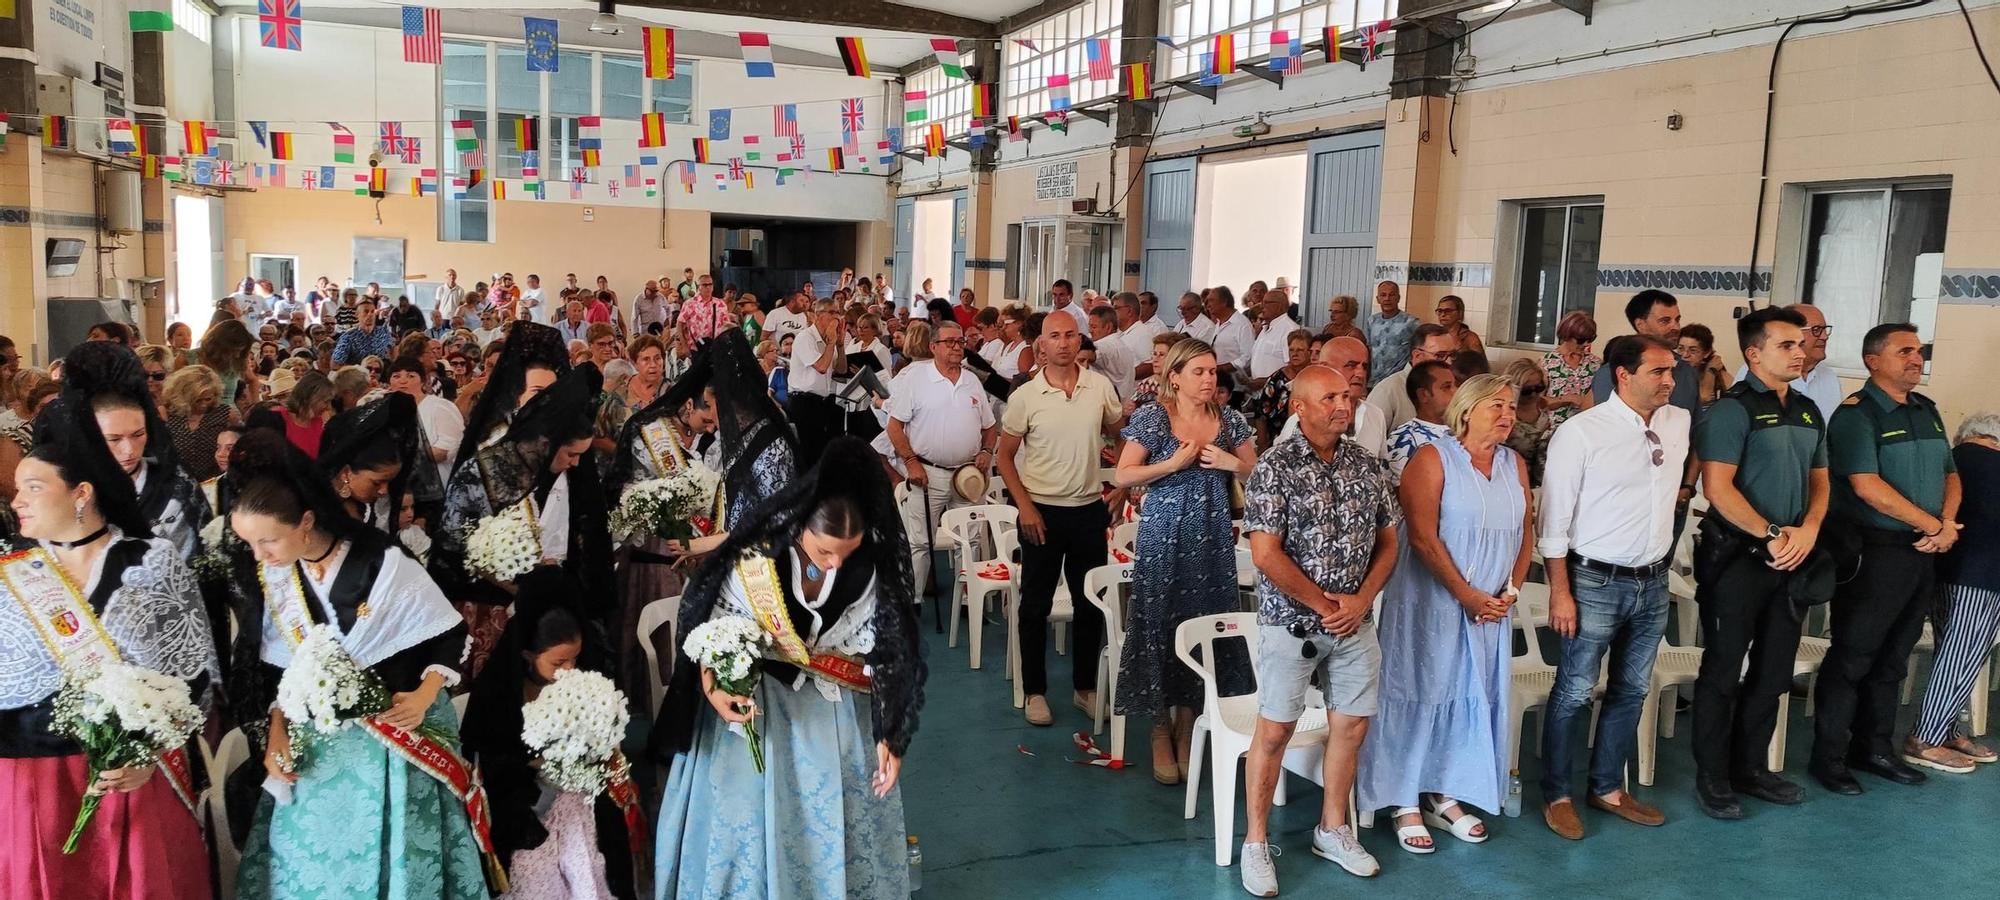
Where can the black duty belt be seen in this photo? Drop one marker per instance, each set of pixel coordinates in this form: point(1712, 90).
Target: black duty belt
point(1649, 570)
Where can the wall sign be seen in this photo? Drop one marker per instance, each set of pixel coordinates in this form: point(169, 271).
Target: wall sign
point(1055, 181)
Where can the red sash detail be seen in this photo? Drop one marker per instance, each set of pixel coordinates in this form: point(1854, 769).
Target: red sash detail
point(846, 672)
point(174, 765)
point(626, 795)
point(441, 763)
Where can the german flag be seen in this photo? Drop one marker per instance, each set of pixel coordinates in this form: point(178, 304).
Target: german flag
point(281, 145)
point(852, 54)
point(473, 177)
point(527, 133)
point(1224, 54)
point(701, 150)
point(659, 44)
point(985, 99)
point(1138, 78)
point(1332, 46)
point(55, 131)
point(835, 160)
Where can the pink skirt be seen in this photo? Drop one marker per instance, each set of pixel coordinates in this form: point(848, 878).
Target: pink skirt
point(142, 845)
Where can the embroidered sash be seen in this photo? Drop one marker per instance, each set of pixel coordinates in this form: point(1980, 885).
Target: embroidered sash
point(626, 795)
point(75, 638)
point(760, 584)
point(287, 602)
point(209, 491)
point(663, 447)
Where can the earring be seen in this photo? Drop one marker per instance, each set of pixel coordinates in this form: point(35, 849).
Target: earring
point(79, 512)
point(345, 491)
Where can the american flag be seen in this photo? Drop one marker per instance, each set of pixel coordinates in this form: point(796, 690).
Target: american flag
point(1097, 55)
point(423, 35)
point(785, 120)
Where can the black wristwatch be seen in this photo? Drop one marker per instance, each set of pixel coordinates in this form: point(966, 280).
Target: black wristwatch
point(1772, 531)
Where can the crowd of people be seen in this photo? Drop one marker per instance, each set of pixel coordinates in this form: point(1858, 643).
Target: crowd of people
point(329, 461)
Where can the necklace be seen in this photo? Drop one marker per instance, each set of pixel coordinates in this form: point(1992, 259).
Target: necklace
point(813, 572)
point(82, 541)
point(317, 563)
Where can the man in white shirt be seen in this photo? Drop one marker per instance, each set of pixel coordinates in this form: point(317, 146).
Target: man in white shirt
point(532, 299)
point(1233, 339)
point(1060, 295)
point(443, 427)
point(1391, 395)
point(1269, 351)
point(1193, 322)
point(817, 361)
point(574, 326)
point(1113, 358)
point(939, 419)
point(1149, 315)
point(887, 293)
point(1609, 488)
point(287, 304)
point(1430, 384)
point(1819, 382)
point(449, 294)
point(789, 318)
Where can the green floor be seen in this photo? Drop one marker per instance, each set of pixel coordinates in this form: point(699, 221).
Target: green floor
point(995, 822)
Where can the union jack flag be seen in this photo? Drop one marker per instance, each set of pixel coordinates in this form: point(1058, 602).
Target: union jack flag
point(579, 175)
point(851, 117)
point(735, 168)
point(223, 172)
point(390, 138)
point(612, 187)
point(309, 180)
point(278, 24)
point(798, 145)
point(412, 150)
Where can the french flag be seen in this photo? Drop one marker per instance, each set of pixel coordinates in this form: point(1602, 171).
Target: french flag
point(757, 55)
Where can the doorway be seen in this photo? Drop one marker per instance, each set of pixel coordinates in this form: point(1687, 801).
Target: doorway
point(198, 274)
point(282, 271)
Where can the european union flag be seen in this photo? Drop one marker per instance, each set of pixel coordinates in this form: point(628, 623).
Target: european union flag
point(718, 124)
point(541, 37)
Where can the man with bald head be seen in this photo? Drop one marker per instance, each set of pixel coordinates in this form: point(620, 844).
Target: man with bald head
point(1321, 518)
point(1054, 424)
point(1348, 358)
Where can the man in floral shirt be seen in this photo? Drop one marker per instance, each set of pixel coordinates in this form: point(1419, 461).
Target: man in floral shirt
point(705, 315)
point(1390, 332)
point(1322, 518)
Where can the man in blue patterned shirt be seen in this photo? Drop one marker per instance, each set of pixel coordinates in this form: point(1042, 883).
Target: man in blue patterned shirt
point(1390, 332)
point(365, 339)
point(1322, 518)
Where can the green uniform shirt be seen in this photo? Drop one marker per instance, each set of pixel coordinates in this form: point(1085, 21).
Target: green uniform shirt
point(1905, 443)
point(1773, 444)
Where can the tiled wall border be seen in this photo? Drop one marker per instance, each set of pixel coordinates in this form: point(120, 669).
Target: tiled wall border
point(1727, 281)
point(1447, 274)
point(22, 217)
point(1979, 287)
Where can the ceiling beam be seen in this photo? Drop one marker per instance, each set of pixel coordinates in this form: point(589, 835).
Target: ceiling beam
point(870, 14)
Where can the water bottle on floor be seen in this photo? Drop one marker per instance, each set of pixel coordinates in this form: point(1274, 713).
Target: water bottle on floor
point(916, 865)
point(1513, 809)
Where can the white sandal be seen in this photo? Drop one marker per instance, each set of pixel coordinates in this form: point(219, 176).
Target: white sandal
point(1460, 828)
point(1407, 833)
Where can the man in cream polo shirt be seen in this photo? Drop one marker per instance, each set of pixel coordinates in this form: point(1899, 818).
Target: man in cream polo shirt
point(1054, 424)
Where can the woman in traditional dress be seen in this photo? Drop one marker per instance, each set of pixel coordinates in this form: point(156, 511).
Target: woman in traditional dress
point(1184, 450)
point(557, 845)
point(374, 456)
point(84, 580)
point(825, 566)
point(542, 461)
point(1440, 735)
point(360, 816)
point(754, 451)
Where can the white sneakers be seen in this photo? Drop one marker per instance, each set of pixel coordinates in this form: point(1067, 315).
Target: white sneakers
point(1340, 846)
point(1260, 875)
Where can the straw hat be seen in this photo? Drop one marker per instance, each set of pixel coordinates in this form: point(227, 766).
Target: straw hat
point(282, 381)
point(969, 483)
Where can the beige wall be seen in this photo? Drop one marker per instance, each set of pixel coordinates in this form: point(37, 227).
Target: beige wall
point(622, 243)
point(59, 196)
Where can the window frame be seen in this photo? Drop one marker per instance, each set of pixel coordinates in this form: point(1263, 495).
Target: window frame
point(1253, 26)
point(1508, 245)
point(947, 102)
point(1059, 41)
point(1793, 269)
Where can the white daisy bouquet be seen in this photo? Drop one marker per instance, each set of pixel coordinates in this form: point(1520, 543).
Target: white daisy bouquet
point(124, 716)
point(503, 546)
point(324, 689)
point(730, 647)
point(212, 562)
point(575, 727)
point(679, 506)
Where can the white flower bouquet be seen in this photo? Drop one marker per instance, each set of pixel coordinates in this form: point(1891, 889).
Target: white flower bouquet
point(325, 689)
point(730, 647)
point(503, 546)
point(124, 716)
point(679, 506)
point(575, 727)
point(212, 562)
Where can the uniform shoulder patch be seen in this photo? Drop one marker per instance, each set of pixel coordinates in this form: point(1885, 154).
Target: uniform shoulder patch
point(1854, 400)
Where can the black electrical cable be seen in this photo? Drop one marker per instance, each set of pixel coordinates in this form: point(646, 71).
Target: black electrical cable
point(1770, 106)
point(1140, 169)
point(1976, 48)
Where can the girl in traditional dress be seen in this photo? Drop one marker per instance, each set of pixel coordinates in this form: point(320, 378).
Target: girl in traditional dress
point(363, 816)
point(375, 456)
point(556, 844)
point(84, 580)
point(543, 461)
point(753, 450)
point(824, 567)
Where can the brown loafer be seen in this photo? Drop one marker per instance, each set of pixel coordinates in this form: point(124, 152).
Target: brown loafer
point(1562, 819)
point(1631, 809)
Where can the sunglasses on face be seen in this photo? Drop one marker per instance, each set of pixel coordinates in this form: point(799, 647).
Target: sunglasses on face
point(156, 376)
point(1534, 390)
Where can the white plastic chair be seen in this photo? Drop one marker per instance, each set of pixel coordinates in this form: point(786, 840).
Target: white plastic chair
point(1103, 587)
point(1533, 681)
point(1811, 655)
point(651, 616)
point(980, 576)
point(234, 751)
point(1062, 611)
point(1673, 667)
point(1926, 645)
point(1227, 725)
point(1125, 540)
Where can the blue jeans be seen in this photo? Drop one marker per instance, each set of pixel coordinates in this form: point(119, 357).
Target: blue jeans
point(1626, 617)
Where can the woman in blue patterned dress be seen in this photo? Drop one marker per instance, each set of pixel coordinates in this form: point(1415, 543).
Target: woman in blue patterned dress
point(1184, 450)
point(1439, 736)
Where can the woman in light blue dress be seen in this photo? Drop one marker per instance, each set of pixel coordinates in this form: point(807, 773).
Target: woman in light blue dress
point(825, 561)
point(1439, 739)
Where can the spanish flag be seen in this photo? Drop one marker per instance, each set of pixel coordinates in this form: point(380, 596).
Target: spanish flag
point(852, 54)
point(416, 187)
point(197, 137)
point(591, 158)
point(659, 43)
point(653, 130)
point(499, 190)
point(527, 133)
point(1224, 54)
point(701, 150)
point(934, 140)
point(378, 180)
point(1139, 81)
point(281, 145)
point(151, 166)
